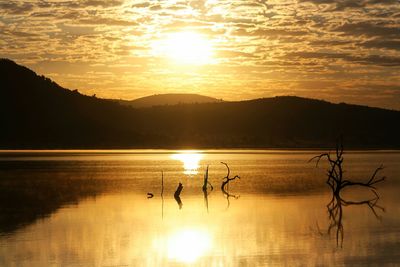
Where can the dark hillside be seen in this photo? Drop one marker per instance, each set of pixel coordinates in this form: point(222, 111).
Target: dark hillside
point(38, 113)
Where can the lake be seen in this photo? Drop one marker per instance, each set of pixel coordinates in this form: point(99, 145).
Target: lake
point(91, 208)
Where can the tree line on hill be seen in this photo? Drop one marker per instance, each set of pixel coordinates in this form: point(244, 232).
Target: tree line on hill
point(37, 113)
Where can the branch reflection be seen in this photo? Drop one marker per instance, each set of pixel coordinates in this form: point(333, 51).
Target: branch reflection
point(336, 213)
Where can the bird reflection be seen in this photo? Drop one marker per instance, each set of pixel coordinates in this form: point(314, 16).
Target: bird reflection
point(335, 213)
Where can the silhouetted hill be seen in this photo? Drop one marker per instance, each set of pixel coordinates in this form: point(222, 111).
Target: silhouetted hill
point(35, 112)
point(168, 99)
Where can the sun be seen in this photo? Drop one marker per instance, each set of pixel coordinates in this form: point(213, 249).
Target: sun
point(187, 48)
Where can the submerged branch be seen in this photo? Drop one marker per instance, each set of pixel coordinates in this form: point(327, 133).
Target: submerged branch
point(225, 184)
point(227, 179)
point(206, 182)
point(177, 195)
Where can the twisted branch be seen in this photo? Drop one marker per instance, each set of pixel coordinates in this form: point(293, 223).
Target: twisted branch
point(335, 173)
point(227, 179)
point(225, 182)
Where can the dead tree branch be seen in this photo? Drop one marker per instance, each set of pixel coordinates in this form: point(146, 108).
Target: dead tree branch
point(225, 185)
point(206, 182)
point(335, 173)
point(227, 179)
point(337, 182)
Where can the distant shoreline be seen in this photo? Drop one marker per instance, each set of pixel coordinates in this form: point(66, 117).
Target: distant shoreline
point(193, 150)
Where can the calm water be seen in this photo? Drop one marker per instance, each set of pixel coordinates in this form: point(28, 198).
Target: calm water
point(90, 208)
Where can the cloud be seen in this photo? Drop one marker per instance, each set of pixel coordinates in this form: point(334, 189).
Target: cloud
point(384, 44)
point(90, 3)
point(107, 21)
point(369, 59)
point(16, 8)
point(282, 44)
point(343, 5)
point(141, 5)
point(369, 29)
point(234, 54)
point(76, 29)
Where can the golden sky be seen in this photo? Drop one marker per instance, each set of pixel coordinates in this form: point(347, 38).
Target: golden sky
point(338, 50)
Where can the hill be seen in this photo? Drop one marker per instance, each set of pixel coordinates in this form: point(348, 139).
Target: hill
point(168, 99)
point(35, 112)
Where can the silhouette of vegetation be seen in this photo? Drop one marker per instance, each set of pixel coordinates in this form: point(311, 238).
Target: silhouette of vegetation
point(168, 99)
point(336, 180)
point(204, 188)
point(35, 112)
point(225, 185)
point(336, 214)
point(177, 195)
point(337, 183)
point(206, 182)
point(227, 179)
point(162, 194)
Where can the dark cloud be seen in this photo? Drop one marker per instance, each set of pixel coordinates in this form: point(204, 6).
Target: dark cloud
point(141, 5)
point(270, 32)
point(102, 3)
point(330, 43)
point(16, 8)
point(342, 5)
point(385, 44)
point(44, 15)
point(234, 54)
point(107, 21)
point(377, 60)
point(369, 59)
point(369, 29)
point(337, 5)
point(19, 33)
point(88, 3)
point(156, 7)
point(76, 29)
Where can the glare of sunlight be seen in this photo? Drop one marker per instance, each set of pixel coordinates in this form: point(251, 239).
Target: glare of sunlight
point(190, 162)
point(188, 48)
point(188, 245)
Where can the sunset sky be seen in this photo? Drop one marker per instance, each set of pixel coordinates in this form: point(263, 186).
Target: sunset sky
point(337, 50)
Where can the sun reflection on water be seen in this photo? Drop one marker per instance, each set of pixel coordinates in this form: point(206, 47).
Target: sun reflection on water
point(190, 160)
point(185, 246)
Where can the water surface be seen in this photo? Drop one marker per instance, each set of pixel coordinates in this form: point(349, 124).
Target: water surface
point(90, 208)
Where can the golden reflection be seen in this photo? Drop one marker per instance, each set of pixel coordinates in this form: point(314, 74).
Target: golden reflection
point(190, 162)
point(188, 245)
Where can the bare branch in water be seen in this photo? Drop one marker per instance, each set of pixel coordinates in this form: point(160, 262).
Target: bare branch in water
point(206, 182)
point(337, 182)
point(205, 191)
point(177, 195)
point(227, 179)
point(225, 185)
point(335, 174)
point(336, 211)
